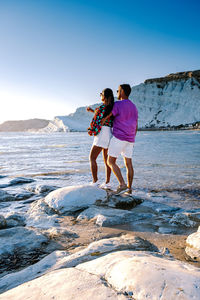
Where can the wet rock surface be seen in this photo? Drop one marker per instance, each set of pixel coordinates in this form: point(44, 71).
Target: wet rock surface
point(123, 201)
point(105, 216)
point(41, 189)
point(20, 180)
point(23, 196)
point(3, 223)
point(19, 244)
point(14, 220)
point(5, 196)
point(69, 219)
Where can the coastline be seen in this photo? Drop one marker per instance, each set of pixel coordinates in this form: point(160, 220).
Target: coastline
point(89, 232)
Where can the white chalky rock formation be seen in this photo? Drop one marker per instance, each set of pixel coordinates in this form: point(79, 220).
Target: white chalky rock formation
point(193, 245)
point(74, 198)
point(64, 284)
point(172, 100)
point(62, 259)
point(146, 276)
point(117, 275)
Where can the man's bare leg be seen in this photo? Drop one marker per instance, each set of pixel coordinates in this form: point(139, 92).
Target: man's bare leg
point(116, 170)
point(95, 151)
point(129, 171)
point(108, 169)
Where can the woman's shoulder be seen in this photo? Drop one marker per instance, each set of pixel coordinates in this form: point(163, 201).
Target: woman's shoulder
point(101, 107)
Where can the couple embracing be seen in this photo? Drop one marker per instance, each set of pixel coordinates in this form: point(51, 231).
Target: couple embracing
point(114, 127)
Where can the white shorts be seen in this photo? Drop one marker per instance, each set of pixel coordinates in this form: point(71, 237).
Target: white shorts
point(118, 147)
point(103, 138)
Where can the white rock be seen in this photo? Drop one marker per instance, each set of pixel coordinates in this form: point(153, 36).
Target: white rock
point(66, 284)
point(193, 245)
point(61, 259)
point(117, 275)
point(73, 198)
point(106, 216)
point(41, 215)
point(146, 276)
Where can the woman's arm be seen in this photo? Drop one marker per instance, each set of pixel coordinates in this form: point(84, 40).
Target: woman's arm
point(90, 109)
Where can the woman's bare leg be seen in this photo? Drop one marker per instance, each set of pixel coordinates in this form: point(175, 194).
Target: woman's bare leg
point(107, 168)
point(94, 153)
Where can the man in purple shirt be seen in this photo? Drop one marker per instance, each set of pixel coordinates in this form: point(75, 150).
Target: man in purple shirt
point(124, 131)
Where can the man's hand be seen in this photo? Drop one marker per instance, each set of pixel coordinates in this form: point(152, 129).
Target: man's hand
point(103, 121)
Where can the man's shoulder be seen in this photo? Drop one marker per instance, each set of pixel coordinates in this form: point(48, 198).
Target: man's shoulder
point(116, 102)
point(132, 103)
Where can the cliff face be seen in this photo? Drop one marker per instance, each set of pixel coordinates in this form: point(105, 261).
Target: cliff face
point(78, 121)
point(168, 101)
point(176, 76)
point(173, 100)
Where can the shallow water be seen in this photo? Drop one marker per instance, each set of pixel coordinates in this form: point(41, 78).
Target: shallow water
point(166, 163)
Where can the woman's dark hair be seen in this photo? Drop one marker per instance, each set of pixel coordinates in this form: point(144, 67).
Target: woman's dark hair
point(126, 88)
point(109, 101)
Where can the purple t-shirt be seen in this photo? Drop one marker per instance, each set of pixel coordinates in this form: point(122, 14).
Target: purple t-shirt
point(125, 120)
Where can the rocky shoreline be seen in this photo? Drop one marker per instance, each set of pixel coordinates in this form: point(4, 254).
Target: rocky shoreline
point(85, 242)
point(192, 126)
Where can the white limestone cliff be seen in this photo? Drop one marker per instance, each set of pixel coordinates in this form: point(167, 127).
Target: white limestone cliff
point(169, 101)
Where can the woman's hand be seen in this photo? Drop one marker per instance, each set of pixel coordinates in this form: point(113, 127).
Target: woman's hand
point(89, 109)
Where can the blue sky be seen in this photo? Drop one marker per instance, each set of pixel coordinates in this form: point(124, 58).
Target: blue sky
point(58, 55)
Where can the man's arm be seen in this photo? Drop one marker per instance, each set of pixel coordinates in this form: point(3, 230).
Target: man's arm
point(104, 119)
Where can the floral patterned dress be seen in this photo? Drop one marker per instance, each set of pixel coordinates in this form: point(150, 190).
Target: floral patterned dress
point(95, 125)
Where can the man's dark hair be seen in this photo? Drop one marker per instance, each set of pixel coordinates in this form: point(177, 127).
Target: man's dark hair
point(126, 88)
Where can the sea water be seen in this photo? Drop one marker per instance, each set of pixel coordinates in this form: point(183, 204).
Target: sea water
point(166, 163)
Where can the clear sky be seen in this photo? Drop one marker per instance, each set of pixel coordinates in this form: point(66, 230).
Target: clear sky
point(58, 55)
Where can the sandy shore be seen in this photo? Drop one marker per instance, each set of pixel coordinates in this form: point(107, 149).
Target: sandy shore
point(88, 232)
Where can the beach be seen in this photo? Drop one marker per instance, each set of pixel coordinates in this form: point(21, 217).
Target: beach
point(46, 198)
